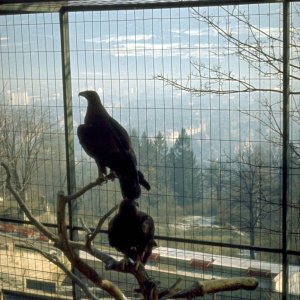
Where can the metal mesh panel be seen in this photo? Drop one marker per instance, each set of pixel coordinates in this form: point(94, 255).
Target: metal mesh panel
point(200, 92)
point(32, 145)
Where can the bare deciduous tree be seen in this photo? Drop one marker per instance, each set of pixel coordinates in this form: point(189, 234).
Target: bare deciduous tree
point(258, 50)
point(26, 143)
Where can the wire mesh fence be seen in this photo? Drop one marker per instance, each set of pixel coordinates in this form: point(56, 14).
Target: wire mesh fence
point(200, 90)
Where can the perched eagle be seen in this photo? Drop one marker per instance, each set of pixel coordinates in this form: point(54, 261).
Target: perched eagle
point(131, 232)
point(104, 139)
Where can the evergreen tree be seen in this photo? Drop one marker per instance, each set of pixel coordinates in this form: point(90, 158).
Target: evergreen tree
point(160, 160)
point(135, 141)
point(146, 152)
point(153, 163)
point(184, 173)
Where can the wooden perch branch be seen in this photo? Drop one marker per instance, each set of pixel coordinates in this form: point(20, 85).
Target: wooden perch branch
point(202, 288)
point(73, 257)
point(93, 234)
point(147, 285)
point(168, 293)
point(98, 181)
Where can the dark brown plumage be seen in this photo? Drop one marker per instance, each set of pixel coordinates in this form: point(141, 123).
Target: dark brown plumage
point(131, 232)
point(104, 139)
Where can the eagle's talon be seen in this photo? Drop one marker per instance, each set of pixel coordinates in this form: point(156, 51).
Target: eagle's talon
point(126, 263)
point(111, 176)
point(101, 178)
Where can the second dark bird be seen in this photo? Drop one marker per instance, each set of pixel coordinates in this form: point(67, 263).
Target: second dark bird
point(105, 140)
point(131, 232)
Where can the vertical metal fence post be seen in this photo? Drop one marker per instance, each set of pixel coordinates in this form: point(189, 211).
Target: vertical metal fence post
point(68, 118)
point(285, 149)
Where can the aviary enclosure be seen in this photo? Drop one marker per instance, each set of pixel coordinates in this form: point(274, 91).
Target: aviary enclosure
point(208, 92)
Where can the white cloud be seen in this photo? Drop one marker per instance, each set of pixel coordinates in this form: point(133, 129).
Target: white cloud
point(244, 30)
point(121, 38)
point(176, 31)
point(171, 136)
point(3, 41)
point(275, 32)
point(194, 130)
point(90, 73)
point(148, 49)
point(151, 45)
point(197, 32)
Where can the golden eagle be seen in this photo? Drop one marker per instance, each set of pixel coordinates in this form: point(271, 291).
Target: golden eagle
point(131, 232)
point(105, 140)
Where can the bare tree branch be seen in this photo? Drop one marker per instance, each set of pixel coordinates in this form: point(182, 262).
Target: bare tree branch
point(252, 50)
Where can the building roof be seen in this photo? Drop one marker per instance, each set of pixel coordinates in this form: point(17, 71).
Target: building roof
point(223, 261)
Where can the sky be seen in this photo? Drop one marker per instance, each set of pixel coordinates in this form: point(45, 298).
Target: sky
point(124, 45)
point(118, 53)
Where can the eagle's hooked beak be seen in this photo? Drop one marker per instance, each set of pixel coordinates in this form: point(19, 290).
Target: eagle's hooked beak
point(83, 94)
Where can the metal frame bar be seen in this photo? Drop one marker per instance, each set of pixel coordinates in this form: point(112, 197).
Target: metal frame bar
point(68, 118)
point(285, 147)
point(171, 4)
point(35, 6)
point(174, 239)
point(67, 96)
